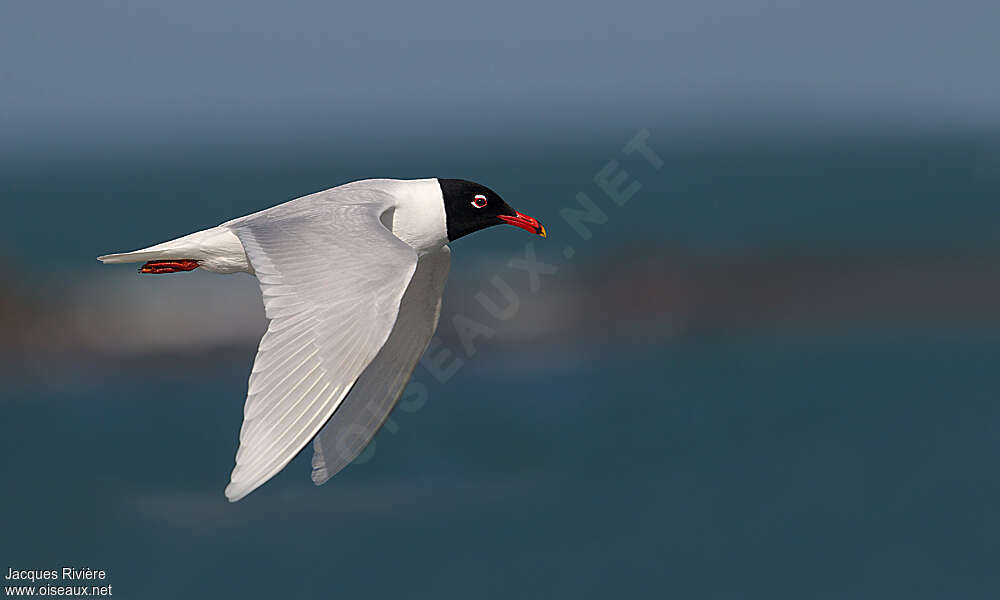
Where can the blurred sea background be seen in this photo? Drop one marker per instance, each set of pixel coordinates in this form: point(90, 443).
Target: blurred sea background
point(772, 373)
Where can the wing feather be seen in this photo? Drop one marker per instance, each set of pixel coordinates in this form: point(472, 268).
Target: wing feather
point(331, 278)
point(374, 395)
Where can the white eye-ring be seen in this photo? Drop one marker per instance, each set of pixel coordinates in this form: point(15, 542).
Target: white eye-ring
point(479, 201)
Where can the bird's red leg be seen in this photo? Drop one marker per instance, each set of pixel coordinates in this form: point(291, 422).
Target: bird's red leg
point(168, 266)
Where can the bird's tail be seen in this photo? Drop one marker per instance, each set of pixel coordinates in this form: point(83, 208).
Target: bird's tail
point(181, 254)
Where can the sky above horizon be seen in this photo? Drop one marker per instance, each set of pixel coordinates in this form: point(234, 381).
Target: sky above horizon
point(141, 70)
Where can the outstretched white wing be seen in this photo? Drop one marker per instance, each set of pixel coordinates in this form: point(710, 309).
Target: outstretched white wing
point(332, 277)
point(366, 408)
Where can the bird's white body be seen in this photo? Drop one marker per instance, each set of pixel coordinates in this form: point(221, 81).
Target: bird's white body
point(351, 279)
point(418, 219)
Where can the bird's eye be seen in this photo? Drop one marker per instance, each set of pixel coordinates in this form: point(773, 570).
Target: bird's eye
point(479, 201)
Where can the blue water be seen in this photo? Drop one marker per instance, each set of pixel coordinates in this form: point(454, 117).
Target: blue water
point(849, 465)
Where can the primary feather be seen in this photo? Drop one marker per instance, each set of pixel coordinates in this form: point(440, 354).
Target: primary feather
point(375, 393)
